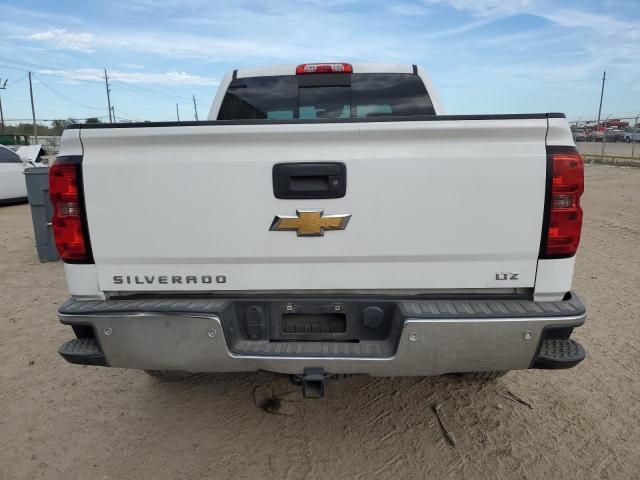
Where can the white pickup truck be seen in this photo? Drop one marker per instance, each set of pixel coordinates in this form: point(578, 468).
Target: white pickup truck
point(326, 219)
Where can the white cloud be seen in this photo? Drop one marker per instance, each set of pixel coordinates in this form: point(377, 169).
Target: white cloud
point(264, 47)
point(549, 10)
point(485, 7)
point(599, 23)
point(26, 13)
point(240, 34)
point(600, 39)
point(167, 78)
point(60, 38)
point(408, 9)
point(132, 66)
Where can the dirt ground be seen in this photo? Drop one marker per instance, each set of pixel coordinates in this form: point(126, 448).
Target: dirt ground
point(60, 421)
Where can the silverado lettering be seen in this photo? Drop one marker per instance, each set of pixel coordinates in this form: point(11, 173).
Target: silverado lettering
point(167, 279)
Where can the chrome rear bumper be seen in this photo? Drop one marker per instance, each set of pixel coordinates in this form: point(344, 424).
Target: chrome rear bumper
point(146, 335)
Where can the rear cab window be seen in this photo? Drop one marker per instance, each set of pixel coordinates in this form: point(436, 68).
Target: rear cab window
point(322, 96)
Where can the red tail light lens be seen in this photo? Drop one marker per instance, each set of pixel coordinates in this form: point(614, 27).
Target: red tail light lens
point(564, 215)
point(307, 68)
point(68, 209)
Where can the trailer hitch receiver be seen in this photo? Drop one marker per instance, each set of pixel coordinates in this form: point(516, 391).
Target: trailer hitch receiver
point(313, 380)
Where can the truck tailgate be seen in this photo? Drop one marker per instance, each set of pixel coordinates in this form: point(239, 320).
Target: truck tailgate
point(441, 204)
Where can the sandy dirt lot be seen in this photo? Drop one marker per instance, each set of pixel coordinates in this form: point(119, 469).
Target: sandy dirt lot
point(60, 421)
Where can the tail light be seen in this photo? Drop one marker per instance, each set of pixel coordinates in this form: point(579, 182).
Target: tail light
point(563, 215)
point(307, 68)
point(69, 220)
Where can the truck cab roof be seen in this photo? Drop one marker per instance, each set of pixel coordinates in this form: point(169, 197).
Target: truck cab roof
point(357, 68)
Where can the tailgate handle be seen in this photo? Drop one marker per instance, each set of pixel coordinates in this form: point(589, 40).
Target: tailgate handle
point(310, 180)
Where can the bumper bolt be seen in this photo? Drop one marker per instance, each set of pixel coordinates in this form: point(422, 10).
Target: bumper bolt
point(212, 333)
point(528, 335)
point(413, 336)
point(108, 331)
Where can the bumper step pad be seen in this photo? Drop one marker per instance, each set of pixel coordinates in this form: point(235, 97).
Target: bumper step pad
point(83, 351)
point(557, 354)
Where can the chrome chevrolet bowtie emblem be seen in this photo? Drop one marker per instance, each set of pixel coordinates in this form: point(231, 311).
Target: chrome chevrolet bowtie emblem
point(310, 223)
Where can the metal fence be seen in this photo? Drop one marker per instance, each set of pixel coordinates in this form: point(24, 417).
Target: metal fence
point(613, 138)
point(50, 143)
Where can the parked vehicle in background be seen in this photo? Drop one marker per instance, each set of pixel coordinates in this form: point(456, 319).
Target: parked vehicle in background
point(615, 135)
point(31, 154)
point(594, 136)
point(632, 136)
point(13, 188)
point(327, 219)
point(579, 136)
point(616, 122)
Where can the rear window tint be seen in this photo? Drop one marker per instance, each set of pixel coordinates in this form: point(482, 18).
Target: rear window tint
point(368, 95)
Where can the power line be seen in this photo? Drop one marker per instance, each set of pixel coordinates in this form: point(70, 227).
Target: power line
point(18, 80)
point(40, 102)
point(135, 117)
point(149, 91)
point(146, 91)
point(64, 96)
point(514, 84)
point(36, 51)
point(65, 77)
point(14, 68)
point(27, 64)
point(113, 82)
point(73, 117)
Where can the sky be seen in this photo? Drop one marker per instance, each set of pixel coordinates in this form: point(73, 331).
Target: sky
point(484, 56)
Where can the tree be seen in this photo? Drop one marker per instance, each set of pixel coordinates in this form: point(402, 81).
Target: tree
point(59, 125)
point(92, 120)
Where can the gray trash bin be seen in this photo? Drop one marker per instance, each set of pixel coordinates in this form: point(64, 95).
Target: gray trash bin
point(41, 212)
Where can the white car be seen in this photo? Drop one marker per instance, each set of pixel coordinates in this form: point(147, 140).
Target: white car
point(326, 219)
point(632, 135)
point(13, 188)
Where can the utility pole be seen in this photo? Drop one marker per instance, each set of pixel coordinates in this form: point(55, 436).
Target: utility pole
point(3, 86)
point(177, 112)
point(112, 114)
point(1, 117)
point(33, 111)
point(633, 139)
point(195, 107)
point(106, 82)
point(604, 77)
point(604, 137)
